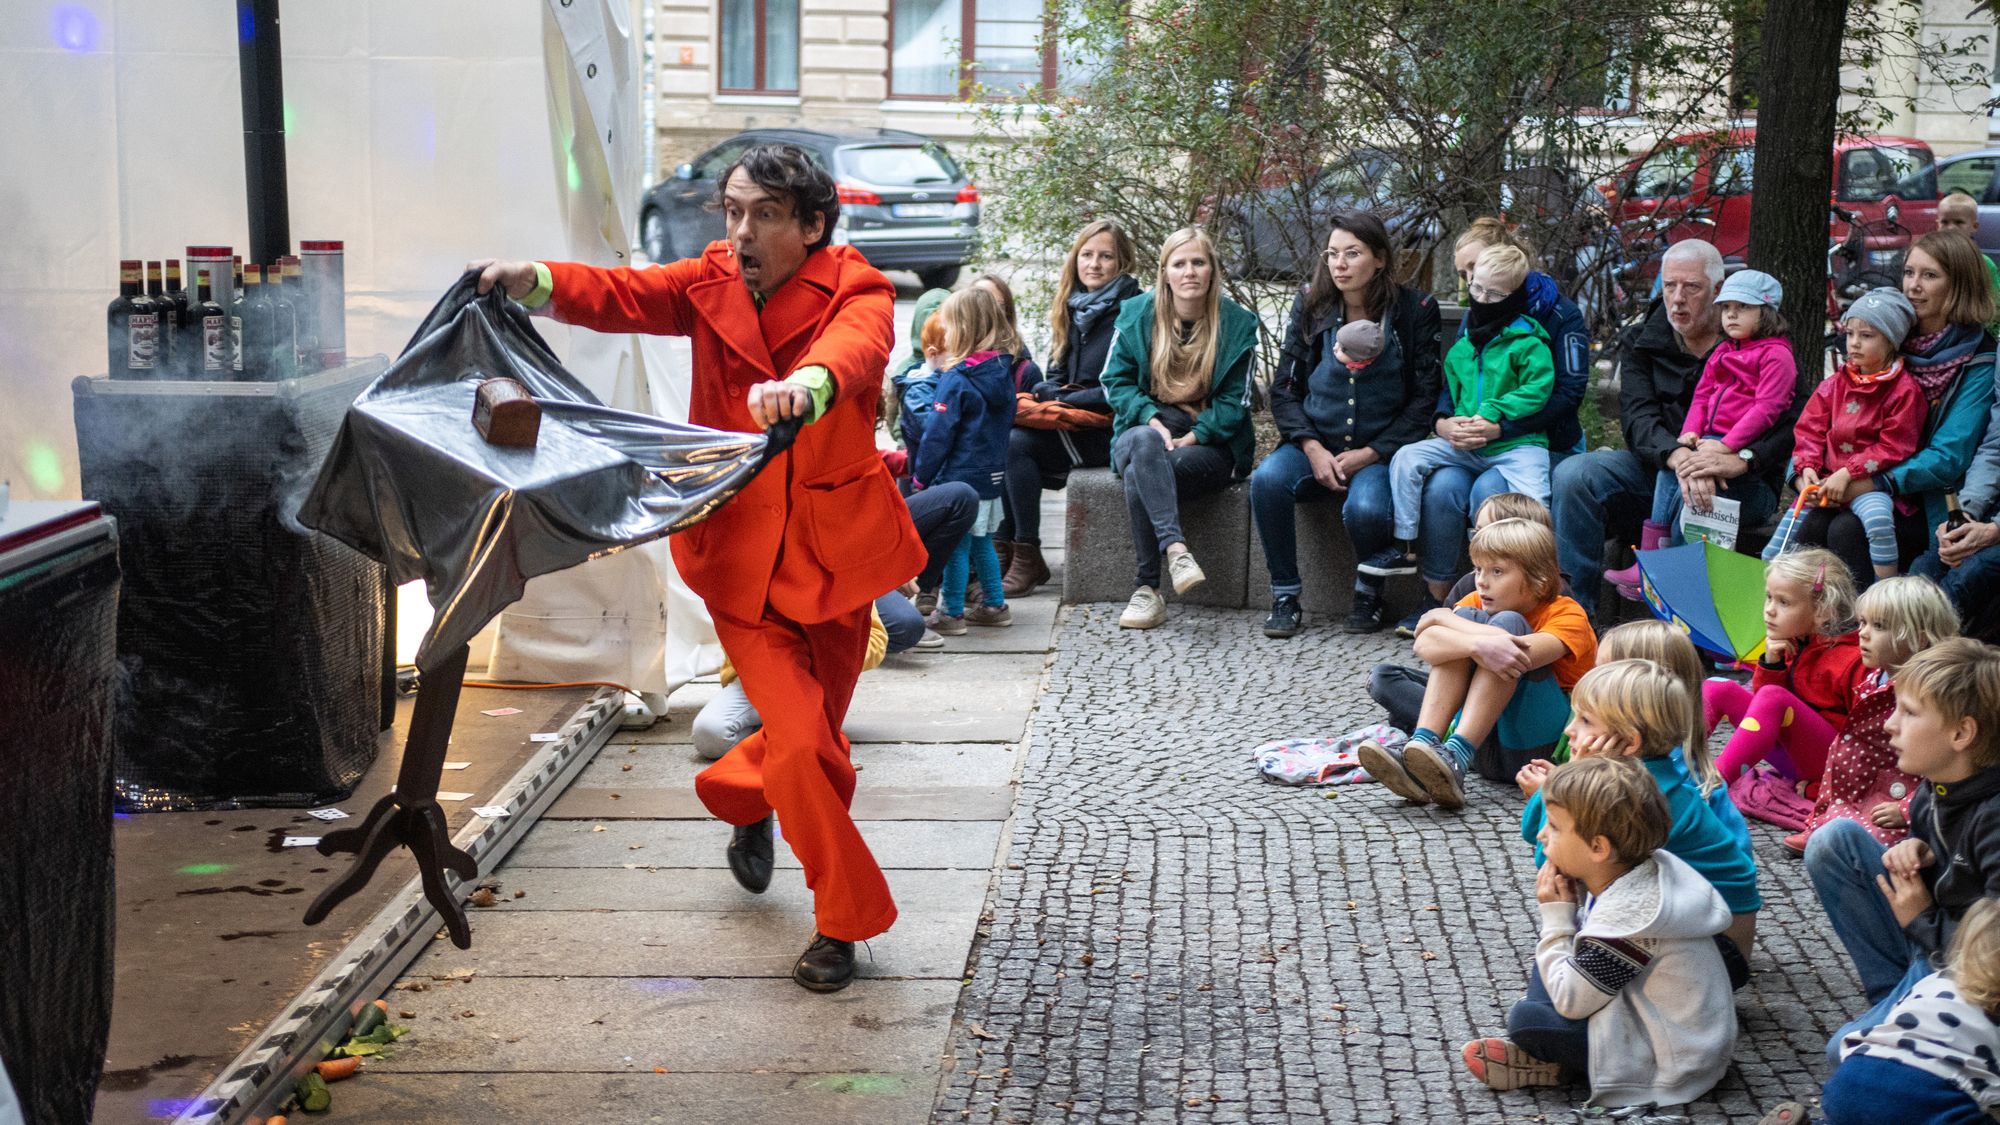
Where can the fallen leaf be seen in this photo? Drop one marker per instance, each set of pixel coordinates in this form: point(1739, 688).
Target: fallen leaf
point(979, 1032)
point(413, 986)
point(597, 828)
point(520, 894)
point(1088, 959)
point(406, 1015)
point(1429, 956)
point(615, 797)
point(467, 1014)
point(627, 767)
point(483, 897)
point(659, 1070)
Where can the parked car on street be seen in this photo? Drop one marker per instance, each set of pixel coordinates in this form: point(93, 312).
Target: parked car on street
point(1710, 175)
point(1977, 174)
point(904, 202)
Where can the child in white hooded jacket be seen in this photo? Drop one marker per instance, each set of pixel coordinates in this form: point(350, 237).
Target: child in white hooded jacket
point(1628, 988)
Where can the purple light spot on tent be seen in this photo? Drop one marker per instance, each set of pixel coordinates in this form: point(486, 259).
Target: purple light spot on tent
point(169, 1108)
point(427, 135)
point(75, 29)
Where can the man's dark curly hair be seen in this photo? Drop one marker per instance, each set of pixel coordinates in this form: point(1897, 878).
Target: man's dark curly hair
point(789, 172)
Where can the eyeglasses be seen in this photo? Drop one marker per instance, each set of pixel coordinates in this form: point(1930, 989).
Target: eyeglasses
point(1481, 293)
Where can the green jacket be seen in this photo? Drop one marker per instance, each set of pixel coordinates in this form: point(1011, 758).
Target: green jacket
point(927, 303)
point(1993, 276)
point(1511, 377)
point(1226, 420)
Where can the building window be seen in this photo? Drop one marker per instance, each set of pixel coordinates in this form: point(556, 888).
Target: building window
point(1004, 45)
point(1595, 74)
point(760, 47)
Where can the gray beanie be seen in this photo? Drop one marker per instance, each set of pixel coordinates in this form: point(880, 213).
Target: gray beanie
point(1888, 310)
point(1360, 340)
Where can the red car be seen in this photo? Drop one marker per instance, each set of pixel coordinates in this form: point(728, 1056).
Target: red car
point(1706, 176)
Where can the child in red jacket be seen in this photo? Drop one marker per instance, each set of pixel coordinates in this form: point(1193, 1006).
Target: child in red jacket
point(1805, 683)
point(1898, 618)
point(1866, 420)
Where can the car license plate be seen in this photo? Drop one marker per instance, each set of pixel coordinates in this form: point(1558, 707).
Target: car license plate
point(920, 210)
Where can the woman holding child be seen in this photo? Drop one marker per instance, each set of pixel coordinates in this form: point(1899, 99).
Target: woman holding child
point(1950, 356)
point(1178, 382)
point(1357, 379)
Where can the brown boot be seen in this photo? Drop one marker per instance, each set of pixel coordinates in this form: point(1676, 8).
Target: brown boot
point(1005, 549)
point(1026, 572)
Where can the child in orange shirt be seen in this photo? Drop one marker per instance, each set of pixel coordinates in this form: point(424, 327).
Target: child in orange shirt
point(1502, 662)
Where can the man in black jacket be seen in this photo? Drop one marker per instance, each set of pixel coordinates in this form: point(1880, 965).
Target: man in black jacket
point(1658, 367)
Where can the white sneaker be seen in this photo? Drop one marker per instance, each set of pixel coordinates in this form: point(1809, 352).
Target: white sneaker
point(1146, 610)
point(642, 710)
point(1185, 572)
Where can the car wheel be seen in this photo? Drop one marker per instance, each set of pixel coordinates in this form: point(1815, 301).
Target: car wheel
point(653, 236)
point(939, 277)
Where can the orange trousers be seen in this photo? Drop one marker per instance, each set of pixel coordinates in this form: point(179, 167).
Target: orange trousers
point(800, 679)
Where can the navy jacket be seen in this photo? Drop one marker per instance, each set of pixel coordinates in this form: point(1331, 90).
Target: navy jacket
point(965, 437)
point(1389, 405)
point(1961, 825)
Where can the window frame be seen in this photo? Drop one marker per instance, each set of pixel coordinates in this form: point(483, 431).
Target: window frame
point(760, 37)
point(968, 49)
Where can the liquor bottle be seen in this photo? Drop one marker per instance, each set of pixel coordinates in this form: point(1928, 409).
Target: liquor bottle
point(307, 334)
point(236, 312)
point(216, 362)
point(284, 324)
point(259, 323)
point(163, 308)
point(1954, 516)
point(187, 333)
point(133, 323)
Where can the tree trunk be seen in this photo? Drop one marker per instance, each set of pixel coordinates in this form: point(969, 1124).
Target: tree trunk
point(1796, 104)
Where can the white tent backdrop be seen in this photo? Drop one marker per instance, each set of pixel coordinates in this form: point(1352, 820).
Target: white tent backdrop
point(422, 134)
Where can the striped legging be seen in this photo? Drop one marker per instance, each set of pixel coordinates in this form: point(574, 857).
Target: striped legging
point(1875, 510)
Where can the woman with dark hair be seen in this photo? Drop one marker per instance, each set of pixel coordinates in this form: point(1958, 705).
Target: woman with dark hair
point(1096, 281)
point(1178, 380)
point(1338, 426)
point(1950, 354)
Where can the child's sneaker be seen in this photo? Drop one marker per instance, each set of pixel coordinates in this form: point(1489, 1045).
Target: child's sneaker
point(946, 625)
point(1437, 771)
point(930, 641)
point(926, 602)
point(1407, 627)
point(1503, 1065)
point(1796, 843)
point(988, 615)
point(1386, 766)
point(1648, 1114)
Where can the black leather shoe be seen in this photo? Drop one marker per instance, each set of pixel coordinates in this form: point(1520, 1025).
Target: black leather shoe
point(827, 965)
point(750, 856)
point(1286, 617)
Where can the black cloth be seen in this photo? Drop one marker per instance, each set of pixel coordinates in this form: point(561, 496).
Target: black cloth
point(1393, 400)
point(1839, 530)
point(1485, 319)
point(1090, 331)
point(1656, 382)
point(411, 484)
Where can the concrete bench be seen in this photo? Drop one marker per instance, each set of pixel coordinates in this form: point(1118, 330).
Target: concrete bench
point(1098, 561)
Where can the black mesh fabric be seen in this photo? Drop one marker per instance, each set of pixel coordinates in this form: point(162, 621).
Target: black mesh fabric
point(250, 646)
point(58, 665)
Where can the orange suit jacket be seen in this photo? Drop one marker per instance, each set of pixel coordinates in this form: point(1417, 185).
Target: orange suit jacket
point(822, 530)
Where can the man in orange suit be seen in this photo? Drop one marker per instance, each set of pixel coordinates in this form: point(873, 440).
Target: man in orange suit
point(784, 325)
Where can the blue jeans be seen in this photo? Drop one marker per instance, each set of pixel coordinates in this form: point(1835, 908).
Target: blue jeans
point(1866, 1090)
point(1591, 490)
point(1973, 587)
point(1843, 861)
point(1451, 498)
point(1525, 468)
point(900, 620)
point(1537, 1028)
point(1283, 481)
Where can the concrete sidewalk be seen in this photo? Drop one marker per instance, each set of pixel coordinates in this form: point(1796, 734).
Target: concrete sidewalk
point(633, 980)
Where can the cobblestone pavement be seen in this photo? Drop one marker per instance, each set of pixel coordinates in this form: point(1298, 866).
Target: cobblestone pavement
point(1173, 939)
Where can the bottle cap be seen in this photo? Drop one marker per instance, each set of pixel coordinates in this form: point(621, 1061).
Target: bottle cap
point(321, 246)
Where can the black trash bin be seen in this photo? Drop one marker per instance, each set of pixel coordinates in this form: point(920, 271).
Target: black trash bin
point(250, 646)
point(58, 662)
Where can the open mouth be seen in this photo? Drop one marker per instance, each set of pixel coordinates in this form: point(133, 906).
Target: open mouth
point(747, 263)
